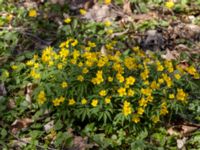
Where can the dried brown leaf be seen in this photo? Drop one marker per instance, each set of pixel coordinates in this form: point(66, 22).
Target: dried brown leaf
point(127, 7)
point(19, 124)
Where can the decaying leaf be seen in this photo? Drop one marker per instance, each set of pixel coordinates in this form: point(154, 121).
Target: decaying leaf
point(3, 91)
point(80, 143)
point(28, 92)
point(170, 55)
point(60, 2)
point(21, 142)
point(103, 51)
point(11, 104)
point(181, 142)
point(186, 129)
point(19, 124)
point(127, 7)
point(171, 131)
point(49, 126)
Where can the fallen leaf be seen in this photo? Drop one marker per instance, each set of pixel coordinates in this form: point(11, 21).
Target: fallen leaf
point(19, 124)
point(3, 91)
point(49, 126)
point(103, 51)
point(181, 142)
point(28, 92)
point(171, 131)
point(11, 104)
point(186, 129)
point(127, 7)
point(170, 55)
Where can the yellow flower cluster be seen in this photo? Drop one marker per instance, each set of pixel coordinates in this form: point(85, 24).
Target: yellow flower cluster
point(140, 79)
point(126, 108)
point(58, 101)
point(181, 95)
point(99, 77)
point(41, 97)
point(164, 110)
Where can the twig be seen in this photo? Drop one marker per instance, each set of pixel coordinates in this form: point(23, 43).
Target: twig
point(119, 33)
point(34, 36)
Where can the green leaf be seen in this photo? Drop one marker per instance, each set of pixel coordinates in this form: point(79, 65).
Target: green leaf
point(3, 133)
point(58, 125)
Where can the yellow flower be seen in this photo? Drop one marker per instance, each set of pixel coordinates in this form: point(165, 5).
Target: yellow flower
point(160, 80)
point(99, 78)
point(136, 118)
point(196, 76)
point(191, 70)
point(91, 44)
point(94, 102)
point(121, 91)
point(36, 65)
point(41, 97)
point(140, 111)
point(14, 67)
point(63, 53)
point(136, 49)
point(80, 64)
point(9, 17)
point(110, 31)
point(82, 11)
point(85, 70)
point(146, 82)
point(67, 20)
point(30, 63)
point(177, 76)
point(126, 108)
point(146, 91)
point(110, 79)
point(83, 101)
point(102, 93)
point(144, 75)
point(142, 102)
point(64, 85)
point(181, 95)
point(107, 100)
point(154, 85)
point(80, 78)
point(51, 63)
point(131, 92)
point(58, 101)
point(120, 77)
point(171, 96)
point(107, 2)
point(155, 118)
point(34, 74)
point(107, 23)
point(102, 61)
point(32, 13)
point(149, 98)
point(71, 101)
point(159, 67)
point(75, 51)
point(169, 4)
point(164, 110)
point(60, 66)
point(130, 80)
